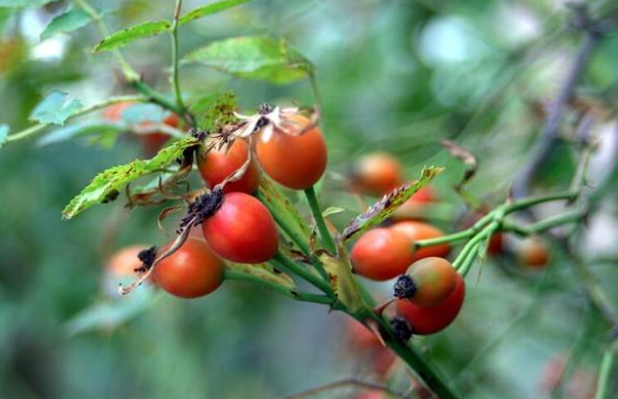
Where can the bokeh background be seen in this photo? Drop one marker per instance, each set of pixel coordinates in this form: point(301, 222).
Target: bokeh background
point(395, 75)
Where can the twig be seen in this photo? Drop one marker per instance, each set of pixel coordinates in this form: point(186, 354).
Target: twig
point(91, 108)
point(127, 70)
point(344, 383)
point(605, 370)
point(327, 239)
point(289, 292)
point(591, 287)
point(549, 133)
point(174, 77)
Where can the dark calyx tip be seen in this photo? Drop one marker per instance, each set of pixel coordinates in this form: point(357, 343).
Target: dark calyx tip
point(147, 257)
point(265, 108)
point(404, 287)
point(401, 328)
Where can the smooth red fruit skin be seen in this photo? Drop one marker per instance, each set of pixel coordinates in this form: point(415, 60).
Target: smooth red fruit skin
point(382, 254)
point(417, 231)
point(377, 173)
point(426, 320)
point(192, 271)
point(242, 230)
point(435, 279)
point(296, 162)
point(217, 164)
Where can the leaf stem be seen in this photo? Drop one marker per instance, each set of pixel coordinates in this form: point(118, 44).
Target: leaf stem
point(291, 267)
point(174, 78)
point(546, 224)
point(127, 70)
point(289, 292)
point(91, 108)
point(327, 239)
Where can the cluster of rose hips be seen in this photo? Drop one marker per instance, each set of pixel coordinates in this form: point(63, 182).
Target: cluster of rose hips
point(227, 223)
point(429, 290)
point(235, 226)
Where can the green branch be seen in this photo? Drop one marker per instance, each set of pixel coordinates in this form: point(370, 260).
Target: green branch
point(289, 292)
point(546, 224)
point(419, 363)
point(605, 371)
point(127, 70)
point(174, 77)
point(289, 266)
point(94, 107)
point(327, 239)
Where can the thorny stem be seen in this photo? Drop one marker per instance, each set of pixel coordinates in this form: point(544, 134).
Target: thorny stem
point(289, 292)
point(32, 130)
point(421, 365)
point(174, 77)
point(549, 133)
point(327, 239)
point(546, 224)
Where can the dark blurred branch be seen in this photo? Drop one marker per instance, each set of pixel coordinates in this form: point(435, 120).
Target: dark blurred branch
point(549, 133)
point(350, 382)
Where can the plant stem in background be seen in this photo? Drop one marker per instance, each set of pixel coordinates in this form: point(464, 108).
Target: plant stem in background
point(549, 134)
point(91, 108)
point(174, 77)
point(605, 372)
point(127, 70)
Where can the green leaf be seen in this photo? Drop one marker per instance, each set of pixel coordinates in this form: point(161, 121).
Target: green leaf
point(126, 36)
point(387, 205)
point(332, 210)
point(112, 313)
point(210, 9)
point(4, 133)
point(139, 113)
point(215, 109)
point(80, 129)
point(265, 272)
point(55, 109)
point(23, 3)
point(254, 57)
point(341, 279)
point(67, 22)
point(116, 178)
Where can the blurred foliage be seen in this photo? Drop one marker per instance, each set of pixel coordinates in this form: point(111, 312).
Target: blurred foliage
point(394, 75)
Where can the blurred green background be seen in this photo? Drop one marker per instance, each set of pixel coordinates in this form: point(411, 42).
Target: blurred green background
point(395, 75)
